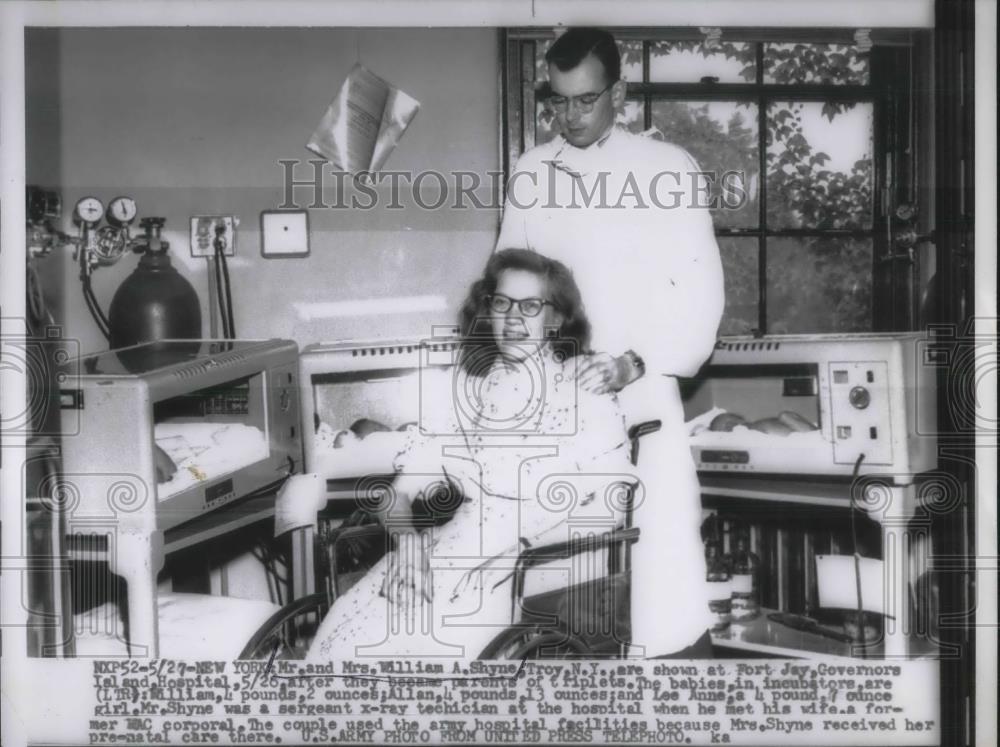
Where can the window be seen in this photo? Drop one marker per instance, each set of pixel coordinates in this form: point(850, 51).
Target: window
point(804, 248)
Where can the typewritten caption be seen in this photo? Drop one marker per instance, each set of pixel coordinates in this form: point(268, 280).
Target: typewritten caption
point(449, 702)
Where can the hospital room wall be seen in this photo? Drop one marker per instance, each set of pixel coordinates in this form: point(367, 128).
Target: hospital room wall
point(195, 121)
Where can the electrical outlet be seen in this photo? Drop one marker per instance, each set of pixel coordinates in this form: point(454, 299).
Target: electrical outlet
point(203, 232)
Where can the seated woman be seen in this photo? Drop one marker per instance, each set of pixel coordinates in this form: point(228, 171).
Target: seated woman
point(531, 453)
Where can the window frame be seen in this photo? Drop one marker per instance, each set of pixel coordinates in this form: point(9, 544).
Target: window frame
point(888, 92)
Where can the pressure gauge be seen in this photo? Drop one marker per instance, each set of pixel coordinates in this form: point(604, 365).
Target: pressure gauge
point(121, 211)
point(89, 210)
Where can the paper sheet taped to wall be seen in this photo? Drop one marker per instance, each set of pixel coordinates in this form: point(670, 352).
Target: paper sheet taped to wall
point(363, 124)
point(837, 583)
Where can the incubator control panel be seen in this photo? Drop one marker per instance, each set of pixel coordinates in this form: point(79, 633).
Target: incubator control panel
point(860, 410)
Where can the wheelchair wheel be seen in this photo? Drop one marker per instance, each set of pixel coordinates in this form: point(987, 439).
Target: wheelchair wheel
point(535, 643)
point(289, 631)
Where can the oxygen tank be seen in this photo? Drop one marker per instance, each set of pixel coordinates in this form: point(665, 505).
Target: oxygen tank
point(155, 302)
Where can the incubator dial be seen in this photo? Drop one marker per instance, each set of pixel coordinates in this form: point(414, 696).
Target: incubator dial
point(89, 210)
point(860, 397)
point(122, 211)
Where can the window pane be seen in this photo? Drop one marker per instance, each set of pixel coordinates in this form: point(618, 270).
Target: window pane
point(722, 137)
point(816, 63)
point(690, 61)
point(632, 117)
point(819, 165)
point(545, 123)
point(541, 69)
point(739, 263)
point(819, 285)
point(631, 60)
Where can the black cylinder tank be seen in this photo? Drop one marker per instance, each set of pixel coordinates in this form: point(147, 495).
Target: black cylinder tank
point(155, 302)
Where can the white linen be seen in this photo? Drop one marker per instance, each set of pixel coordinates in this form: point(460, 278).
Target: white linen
point(192, 626)
point(204, 451)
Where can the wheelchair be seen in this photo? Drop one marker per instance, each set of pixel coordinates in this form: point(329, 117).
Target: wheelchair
point(589, 619)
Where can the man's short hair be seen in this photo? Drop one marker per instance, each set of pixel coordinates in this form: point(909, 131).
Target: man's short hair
point(569, 50)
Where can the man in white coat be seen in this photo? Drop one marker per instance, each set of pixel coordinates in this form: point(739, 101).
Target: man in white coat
point(629, 215)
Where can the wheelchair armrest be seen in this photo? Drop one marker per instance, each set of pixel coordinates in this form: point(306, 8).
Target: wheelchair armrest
point(642, 429)
point(533, 556)
point(639, 430)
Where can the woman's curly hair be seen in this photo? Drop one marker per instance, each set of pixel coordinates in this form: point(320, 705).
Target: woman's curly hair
point(479, 349)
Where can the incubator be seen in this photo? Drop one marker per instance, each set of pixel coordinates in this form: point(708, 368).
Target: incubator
point(844, 429)
point(224, 413)
point(360, 397)
point(815, 405)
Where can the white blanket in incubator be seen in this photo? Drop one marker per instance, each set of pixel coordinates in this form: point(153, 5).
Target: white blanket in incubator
point(205, 451)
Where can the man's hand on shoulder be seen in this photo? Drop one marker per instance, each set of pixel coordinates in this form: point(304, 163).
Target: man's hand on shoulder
point(601, 373)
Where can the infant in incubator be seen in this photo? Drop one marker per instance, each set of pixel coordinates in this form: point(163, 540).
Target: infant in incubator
point(190, 453)
point(367, 447)
point(718, 425)
point(782, 425)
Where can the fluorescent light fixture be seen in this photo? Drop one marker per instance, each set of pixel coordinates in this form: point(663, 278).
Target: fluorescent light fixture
point(369, 307)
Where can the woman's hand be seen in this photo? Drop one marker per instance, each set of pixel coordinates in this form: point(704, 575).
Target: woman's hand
point(408, 575)
point(470, 582)
point(472, 579)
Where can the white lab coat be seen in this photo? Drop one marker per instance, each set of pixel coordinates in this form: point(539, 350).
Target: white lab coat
point(628, 215)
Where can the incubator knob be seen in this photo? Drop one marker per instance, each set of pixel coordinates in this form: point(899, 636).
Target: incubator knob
point(860, 397)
